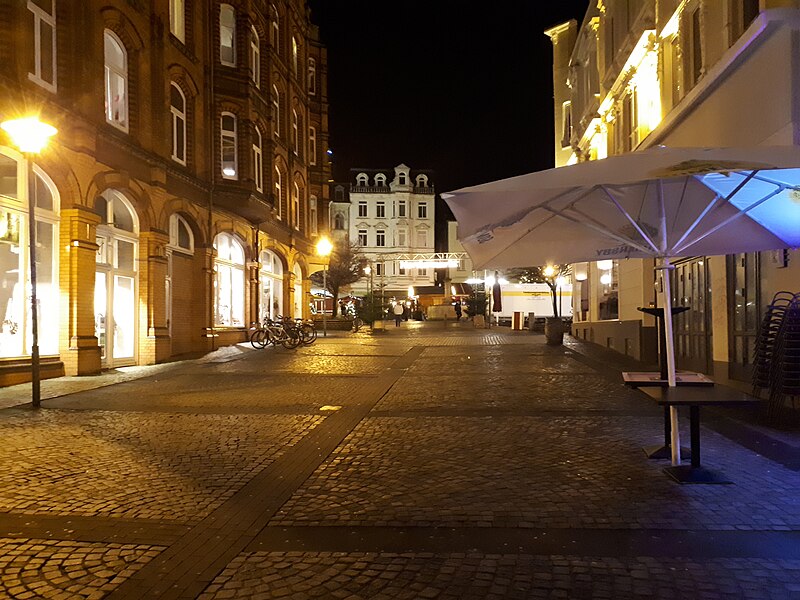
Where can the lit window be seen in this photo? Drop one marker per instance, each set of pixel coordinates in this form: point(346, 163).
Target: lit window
point(229, 281)
point(278, 192)
point(380, 237)
point(229, 139)
point(116, 80)
point(312, 214)
point(271, 280)
point(312, 146)
point(180, 234)
point(258, 161)
point(362, 237)
point(400, 270)
point(422, 210)
point(276, 111)
point(44, 43)
point(362, 208)
point(312, 77)
point(380, 211)
point(566, 125)
point(227, 35)
point(177, 19)
point(295, 52)
point(296, 206)
point(177, 108)
point(255, 57)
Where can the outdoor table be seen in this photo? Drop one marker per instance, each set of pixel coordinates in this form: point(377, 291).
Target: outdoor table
point(694, 398)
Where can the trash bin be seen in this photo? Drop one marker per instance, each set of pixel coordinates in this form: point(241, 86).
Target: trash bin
point(518, 321)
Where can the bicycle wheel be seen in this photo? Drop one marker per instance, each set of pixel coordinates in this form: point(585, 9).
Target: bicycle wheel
point(259, 338)
point(357, 323)
point(308, 334)
point(292, 339)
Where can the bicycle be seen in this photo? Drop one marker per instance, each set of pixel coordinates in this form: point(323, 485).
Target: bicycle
point(276, 332)
point(358, 322)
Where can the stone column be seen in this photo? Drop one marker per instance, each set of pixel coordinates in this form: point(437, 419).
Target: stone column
point(154, 341)
point(253, 314)
point(204, 263)
point(78, 345)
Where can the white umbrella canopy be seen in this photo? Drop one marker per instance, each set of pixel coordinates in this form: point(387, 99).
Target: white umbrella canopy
point(662, 203)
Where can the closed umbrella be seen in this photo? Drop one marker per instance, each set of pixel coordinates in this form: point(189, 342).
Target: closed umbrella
point(662, 203)
point(497, 295)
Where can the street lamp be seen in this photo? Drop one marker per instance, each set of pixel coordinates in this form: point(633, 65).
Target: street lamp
point(30, 135)
point(368, 271)
point(324, 248)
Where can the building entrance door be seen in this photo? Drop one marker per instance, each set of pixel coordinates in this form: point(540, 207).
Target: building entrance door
point(744, 312)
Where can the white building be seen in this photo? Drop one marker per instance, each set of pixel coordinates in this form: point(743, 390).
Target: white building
point(463, 271)
point(679, 73)
point(390, 213)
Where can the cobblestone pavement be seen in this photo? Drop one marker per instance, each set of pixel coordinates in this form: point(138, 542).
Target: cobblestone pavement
point(429, 461)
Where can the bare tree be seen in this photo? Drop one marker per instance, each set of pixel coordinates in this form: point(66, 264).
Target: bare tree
point(549, 275)
point(346, 266)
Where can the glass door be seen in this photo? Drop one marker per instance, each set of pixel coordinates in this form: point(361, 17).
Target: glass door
point(692, 328)
point(115, 302)
point(744, 312)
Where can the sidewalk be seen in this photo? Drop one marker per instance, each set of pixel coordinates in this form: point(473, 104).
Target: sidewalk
point(426, 461)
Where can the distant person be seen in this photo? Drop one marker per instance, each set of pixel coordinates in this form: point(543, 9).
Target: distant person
point(458, 311)
point(398, 313)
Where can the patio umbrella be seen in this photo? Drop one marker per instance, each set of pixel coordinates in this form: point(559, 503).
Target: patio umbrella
point(662, 203)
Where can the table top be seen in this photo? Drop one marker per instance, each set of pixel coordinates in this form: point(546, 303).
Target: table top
point(717, 395)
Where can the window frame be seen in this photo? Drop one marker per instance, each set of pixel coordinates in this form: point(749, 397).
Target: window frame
point(422, 210)
point(176, 221)
point(255, 57)
point(296, 205)
point(229, 265)
point(380, 238)
point(258, 159)
point(363, 238)
point(276, 107)
point(380, 209)
point(312, 77)
point(295, 132)
point(178, 116)
point(312, 146)
point(177, 19)
point(234, 135)
point(312, 215)
point(278, 193)
point(223, 27)
point(41, 16)
point(362, 204)
point(109, 71)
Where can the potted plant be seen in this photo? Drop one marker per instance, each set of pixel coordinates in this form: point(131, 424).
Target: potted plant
point(551, 275)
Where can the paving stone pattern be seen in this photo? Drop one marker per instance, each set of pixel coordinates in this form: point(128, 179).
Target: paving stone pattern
point(429, 461)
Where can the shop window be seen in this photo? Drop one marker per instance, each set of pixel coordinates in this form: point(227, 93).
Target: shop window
point(229, 270)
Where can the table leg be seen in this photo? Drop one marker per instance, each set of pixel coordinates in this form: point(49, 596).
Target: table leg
point(694, 473)
point(665, 451)
point(694, 432)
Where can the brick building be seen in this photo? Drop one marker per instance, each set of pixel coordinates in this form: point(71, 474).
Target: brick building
point(183, 195)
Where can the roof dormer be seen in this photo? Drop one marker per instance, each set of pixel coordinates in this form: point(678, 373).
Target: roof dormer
point(402, 178)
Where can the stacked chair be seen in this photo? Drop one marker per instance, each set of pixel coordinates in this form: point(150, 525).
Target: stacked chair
point(776, 365)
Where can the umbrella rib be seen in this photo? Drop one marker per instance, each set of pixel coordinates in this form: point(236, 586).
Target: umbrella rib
point(733, 218)
point(680, 203)
point(694, 225)
point(592, 224)
point(631, 220)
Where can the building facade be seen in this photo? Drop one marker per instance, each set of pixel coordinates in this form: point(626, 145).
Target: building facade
point(390, 213)
point(683, 73)
point(181, 199)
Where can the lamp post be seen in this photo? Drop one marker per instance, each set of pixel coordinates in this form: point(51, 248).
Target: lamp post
point(30, 135)
point(368, 271)
point(324, 248)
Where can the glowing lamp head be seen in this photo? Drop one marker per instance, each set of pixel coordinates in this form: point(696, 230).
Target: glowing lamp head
point(605, 278)
point(549, 271)
point(411, 291)
point(29, 134)
point(324, 247)
point(367, 270)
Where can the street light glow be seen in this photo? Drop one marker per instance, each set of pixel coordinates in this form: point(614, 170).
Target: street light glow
point(324, 247)
point(549, 271)
point(29, 134)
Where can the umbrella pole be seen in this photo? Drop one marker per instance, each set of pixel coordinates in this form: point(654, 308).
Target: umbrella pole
point(675, 441)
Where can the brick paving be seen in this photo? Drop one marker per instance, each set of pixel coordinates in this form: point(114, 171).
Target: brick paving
point(429, 461)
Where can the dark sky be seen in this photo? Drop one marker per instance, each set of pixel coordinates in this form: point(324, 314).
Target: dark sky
point(463, 88)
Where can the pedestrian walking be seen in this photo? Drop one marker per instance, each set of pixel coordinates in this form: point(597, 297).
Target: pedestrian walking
point(458, 311)
point(398, 313)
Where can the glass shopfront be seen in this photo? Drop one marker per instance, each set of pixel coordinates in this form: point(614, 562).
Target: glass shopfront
point(271, 278)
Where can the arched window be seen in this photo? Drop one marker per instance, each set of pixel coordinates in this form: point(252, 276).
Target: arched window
point(295, 53)
point(401, 179)
point(227, 35)
point(295, 132)
point(422, 181)
point(312, 77)
point(312, 146)
point(115, 305)
point(276, 27)
point(177, 19)
point(380, 180)
point(276, 111)
point(298, 291)
point(15, 324)
point(278, 192)
point(271, 280)
point(312, 215)
point(258, 161)
point(229, 142)
point(255, 57)
point(338, 221)
point(296, 205)
point(177, 107)
point(228, 281)
point(116, 78)
point(181, 237)
point(362, 180)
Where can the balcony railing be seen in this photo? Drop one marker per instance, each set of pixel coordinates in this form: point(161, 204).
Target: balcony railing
point(423, 190)
point(370, 189)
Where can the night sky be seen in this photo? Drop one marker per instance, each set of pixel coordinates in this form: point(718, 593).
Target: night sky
point(463, 88)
